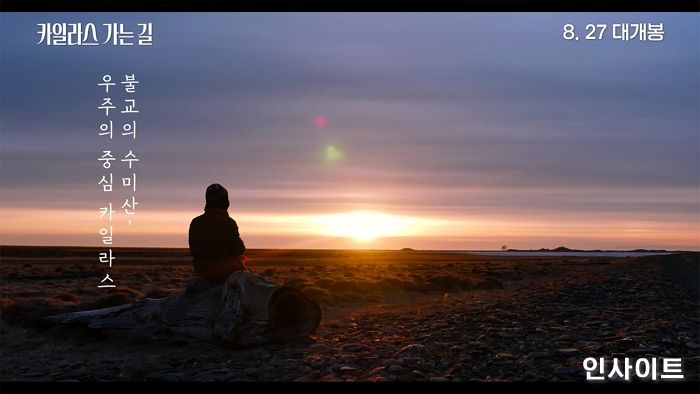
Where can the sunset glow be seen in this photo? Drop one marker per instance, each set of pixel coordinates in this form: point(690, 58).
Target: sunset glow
point(365, 226)
point(359, 229)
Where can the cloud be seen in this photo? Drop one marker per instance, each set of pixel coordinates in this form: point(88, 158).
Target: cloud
point(423, 107)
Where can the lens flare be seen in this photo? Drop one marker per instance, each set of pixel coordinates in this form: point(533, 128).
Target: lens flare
point(320, 121)
point(333, 154)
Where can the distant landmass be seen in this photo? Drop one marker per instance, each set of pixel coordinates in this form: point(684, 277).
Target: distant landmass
point(565, 249)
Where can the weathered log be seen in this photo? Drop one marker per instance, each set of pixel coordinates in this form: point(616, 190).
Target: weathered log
point(245, 310)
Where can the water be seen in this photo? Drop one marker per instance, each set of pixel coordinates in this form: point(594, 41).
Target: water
point(563, 254)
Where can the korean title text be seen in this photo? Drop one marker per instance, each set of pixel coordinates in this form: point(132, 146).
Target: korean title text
point(90, 34)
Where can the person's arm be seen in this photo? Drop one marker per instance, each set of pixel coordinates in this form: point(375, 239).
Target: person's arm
point(233, 239)
point(190, 240)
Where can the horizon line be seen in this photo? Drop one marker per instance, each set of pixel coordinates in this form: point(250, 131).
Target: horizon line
point(409, 249)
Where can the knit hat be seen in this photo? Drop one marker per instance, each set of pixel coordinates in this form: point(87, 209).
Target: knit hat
point(217, 197)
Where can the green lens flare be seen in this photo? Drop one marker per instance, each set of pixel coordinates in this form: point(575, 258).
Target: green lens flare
point(333, 154)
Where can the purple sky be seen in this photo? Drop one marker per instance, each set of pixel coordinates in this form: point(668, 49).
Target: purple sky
point(491, 124)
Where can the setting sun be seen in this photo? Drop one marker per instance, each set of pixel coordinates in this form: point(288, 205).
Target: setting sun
point(364, 226)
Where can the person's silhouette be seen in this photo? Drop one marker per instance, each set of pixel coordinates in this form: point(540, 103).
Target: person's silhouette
point(215, 244)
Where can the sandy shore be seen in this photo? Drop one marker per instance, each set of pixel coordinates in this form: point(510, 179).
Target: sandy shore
point(387, 315)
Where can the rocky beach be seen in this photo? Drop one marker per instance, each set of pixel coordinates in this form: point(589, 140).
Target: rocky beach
point(387, 316)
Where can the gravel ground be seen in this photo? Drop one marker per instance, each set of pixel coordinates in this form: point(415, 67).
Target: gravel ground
point(530, 330)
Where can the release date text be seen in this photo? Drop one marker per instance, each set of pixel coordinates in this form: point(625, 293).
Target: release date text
point(616, 31)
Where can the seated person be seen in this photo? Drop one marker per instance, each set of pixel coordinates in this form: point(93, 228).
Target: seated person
point(215, 244)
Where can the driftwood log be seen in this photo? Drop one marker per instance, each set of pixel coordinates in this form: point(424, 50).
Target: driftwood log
point(245, 310)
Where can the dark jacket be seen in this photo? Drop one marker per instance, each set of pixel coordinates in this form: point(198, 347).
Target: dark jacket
point(214, 241)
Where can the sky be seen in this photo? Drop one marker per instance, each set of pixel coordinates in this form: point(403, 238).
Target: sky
point(358, 130)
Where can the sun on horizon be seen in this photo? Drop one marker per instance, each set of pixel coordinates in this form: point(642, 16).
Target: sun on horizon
point(365, 226)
